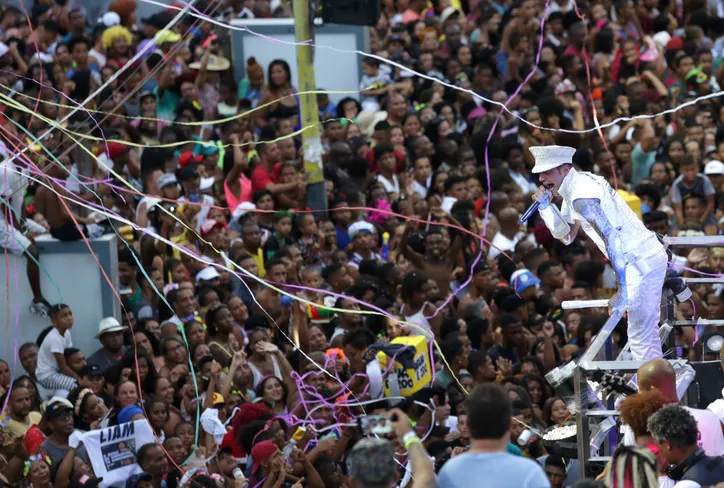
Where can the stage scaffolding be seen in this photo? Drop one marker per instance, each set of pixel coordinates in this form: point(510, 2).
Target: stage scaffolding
point(602, 343)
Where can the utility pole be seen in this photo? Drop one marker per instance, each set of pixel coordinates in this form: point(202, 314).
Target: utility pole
point(311, 140)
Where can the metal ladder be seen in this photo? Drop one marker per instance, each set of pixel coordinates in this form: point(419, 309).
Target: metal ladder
point(603, 342)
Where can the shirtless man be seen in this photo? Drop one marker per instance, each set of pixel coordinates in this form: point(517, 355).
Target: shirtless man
point(481, 287)
point(53, 203)
point(270, 300)
point(437, 263)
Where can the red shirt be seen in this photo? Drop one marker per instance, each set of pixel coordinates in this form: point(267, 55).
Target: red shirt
point(261, 178)
point(369, 156)
point(572, 51)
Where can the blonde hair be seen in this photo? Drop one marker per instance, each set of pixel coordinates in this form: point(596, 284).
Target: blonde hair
point(110, 34)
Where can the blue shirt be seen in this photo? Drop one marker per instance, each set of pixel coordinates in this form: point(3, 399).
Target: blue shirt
point(343, 239)
point(492, 470)
point(641, 163)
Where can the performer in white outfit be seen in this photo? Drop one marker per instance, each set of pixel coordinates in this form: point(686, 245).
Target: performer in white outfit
point(636, 254)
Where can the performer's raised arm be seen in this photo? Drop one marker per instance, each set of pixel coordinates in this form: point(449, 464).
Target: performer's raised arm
point(560, 229)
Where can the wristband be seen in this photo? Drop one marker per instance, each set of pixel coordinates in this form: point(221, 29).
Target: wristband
point(410, 438)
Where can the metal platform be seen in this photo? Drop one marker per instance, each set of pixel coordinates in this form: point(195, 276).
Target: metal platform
point(602, 342)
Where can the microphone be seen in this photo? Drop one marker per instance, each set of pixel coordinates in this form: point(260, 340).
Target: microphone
point(533, 207)
point(529, 213)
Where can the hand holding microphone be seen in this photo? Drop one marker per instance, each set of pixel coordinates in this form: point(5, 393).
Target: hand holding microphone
point(541, 199)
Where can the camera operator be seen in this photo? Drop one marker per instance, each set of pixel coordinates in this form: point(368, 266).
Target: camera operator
point(675, 432)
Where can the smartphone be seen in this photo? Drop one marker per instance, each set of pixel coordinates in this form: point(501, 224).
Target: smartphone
point(375, 425)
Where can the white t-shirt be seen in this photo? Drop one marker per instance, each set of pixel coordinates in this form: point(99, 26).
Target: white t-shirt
point(390, 186)
point(687, 484)
point(504, 244)
point(52, 344)
point(717, 406)
point(12, 186)
point(710, 433)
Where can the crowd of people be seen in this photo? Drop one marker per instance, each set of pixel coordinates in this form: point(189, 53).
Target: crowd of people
point(267, 344)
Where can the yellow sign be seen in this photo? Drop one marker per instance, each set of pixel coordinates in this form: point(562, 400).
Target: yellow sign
point(413, 379)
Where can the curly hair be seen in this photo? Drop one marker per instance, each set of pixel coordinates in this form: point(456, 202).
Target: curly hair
point(636, 410)
point(674, 424)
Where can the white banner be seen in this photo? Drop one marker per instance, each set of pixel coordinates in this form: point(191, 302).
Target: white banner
point(112, 451)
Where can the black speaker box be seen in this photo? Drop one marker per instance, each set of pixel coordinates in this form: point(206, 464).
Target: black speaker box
point(351, 12)
point(707, 385)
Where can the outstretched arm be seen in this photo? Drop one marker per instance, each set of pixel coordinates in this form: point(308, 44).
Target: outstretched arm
point(590, 209)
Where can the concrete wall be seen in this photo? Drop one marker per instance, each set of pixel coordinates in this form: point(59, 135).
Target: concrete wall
point(334, 70)
point(69, 274)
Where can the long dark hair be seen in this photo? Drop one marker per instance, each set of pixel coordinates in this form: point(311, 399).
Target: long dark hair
point(285, 67)
point(260, 388)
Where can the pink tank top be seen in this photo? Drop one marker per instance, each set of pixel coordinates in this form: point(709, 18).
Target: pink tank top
point(245, 192)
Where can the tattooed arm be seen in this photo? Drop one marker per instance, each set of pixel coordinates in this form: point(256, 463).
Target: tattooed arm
point(590, 209)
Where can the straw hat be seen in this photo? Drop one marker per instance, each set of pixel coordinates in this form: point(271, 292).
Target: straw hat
point(216, 63)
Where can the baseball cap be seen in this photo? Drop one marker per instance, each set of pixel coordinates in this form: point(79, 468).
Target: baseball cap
point(146, 94)
point(714, 168)
point(209, 225)
point(372, 462)
point(218, 398)
point(188, 157)
point(165, 180)
point(522, 279)
point(166, 36)
point(158, 20)
point(56, 407)
point(90, 370)
point(360, 227)
point(110, 19)
point(396, 38)
point(85, 481)
point(447, 13)
point(207, 274)
point(115, 149)
point(261, 452)
point(109, 324)
point(242, 209)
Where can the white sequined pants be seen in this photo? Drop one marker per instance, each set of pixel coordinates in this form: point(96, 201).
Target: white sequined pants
point(644, 283)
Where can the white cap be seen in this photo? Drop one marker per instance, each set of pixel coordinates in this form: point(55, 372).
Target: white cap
point(207, 274)
point(60, 399)
point(242, 209)
point(550, 157)
point(358, 227)
point(714, 168)
point(110, 19)
point(108, 324)
point(447, 13)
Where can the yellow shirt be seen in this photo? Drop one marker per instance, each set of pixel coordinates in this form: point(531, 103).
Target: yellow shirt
point(15, 430)
point(259, 260)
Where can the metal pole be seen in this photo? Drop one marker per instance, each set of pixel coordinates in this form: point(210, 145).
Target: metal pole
point(580, 386)
point(311, 140)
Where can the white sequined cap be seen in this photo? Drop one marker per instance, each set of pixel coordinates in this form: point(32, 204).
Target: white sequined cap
point(549, 157)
